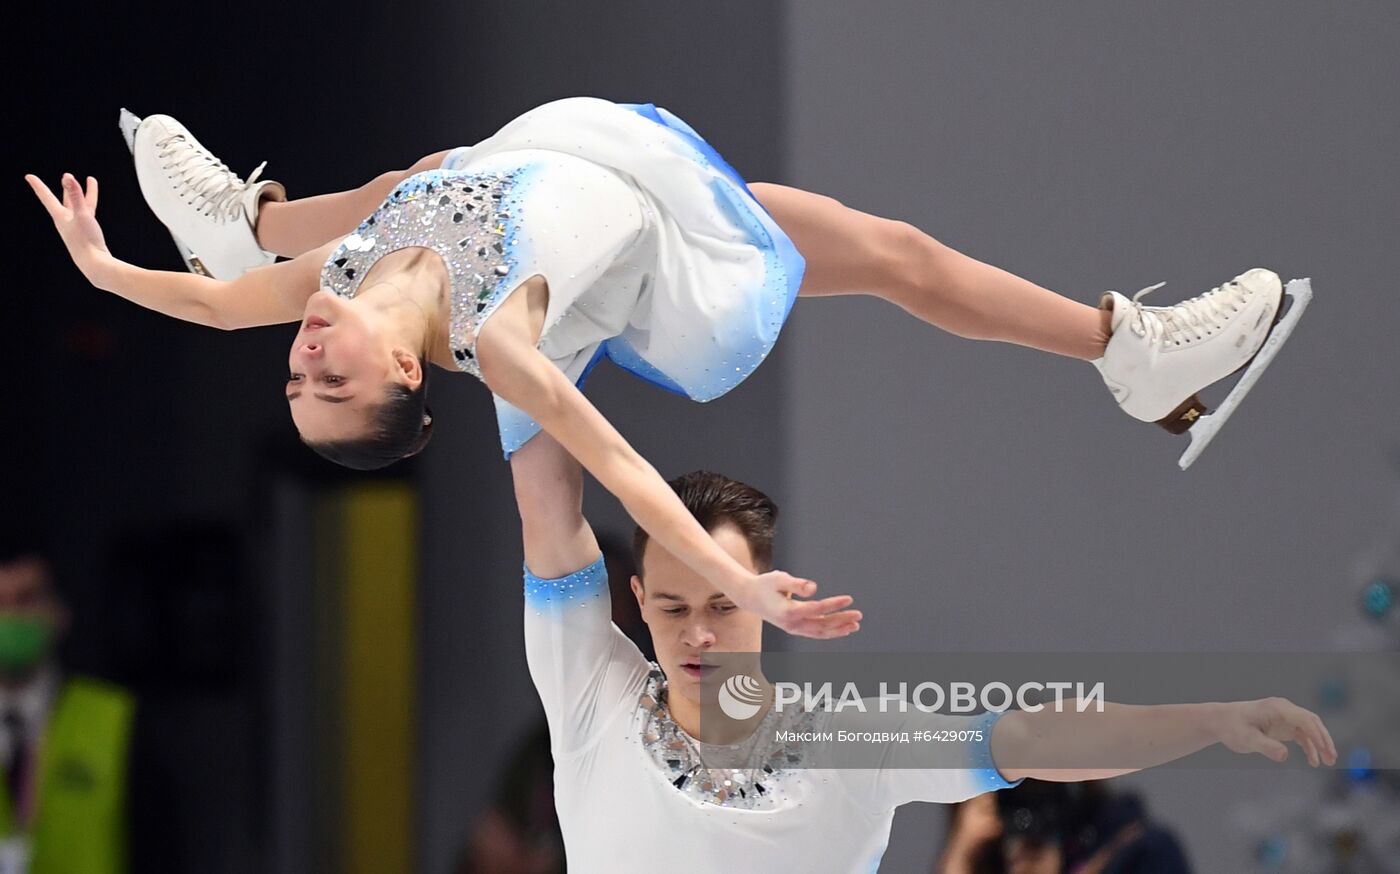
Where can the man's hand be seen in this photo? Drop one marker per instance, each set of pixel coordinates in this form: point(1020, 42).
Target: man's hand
point(76, 221)
point(772, 596)
point(1264, 727)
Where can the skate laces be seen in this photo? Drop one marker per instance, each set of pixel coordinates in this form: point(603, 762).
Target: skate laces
point(204, 182)
point(1190, 320)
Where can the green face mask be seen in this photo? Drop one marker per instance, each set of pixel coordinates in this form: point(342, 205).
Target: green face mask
point(24, 642)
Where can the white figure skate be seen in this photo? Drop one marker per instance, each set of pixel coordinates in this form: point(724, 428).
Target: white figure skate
point(209, 211)
point(1159, 358)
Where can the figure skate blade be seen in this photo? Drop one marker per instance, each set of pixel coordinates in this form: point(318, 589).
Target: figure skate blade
point(1299, 294)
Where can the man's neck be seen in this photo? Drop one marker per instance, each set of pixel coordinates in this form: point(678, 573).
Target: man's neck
point(686, 713)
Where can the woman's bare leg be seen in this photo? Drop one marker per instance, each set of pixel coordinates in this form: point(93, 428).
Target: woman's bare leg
point(296, 226)
point(851, 252)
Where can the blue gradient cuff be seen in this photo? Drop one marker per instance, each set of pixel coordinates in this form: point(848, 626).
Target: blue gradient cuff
point(985, 774)
point(578, 587)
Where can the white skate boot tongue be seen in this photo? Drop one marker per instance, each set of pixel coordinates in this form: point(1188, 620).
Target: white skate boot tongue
point(1120, 310)
point(1119, 306)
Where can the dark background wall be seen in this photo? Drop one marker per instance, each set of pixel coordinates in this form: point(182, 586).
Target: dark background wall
point(122, 425)
point(124, 429)
point(982, 497)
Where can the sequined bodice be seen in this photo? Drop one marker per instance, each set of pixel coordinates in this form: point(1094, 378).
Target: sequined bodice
point(467, 218)
point(758, 775)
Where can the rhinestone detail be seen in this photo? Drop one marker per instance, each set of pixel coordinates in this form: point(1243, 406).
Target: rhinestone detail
point(467, 218)
point(771, 769)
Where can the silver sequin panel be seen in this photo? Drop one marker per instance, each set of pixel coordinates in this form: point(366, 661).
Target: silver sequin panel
point(467, 219)
point(765, 778)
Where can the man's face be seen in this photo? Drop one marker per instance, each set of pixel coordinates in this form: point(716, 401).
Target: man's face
point(26, 588)
point(31, 615)
point(689, 618)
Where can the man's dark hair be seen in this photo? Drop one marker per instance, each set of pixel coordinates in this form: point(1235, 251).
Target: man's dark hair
point(714, 499)
point(401, 427)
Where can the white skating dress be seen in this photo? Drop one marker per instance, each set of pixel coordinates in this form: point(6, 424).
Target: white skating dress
point(656, 255)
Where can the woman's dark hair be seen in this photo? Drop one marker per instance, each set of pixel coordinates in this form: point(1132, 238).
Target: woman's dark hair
point(400, 428)
point(714, 499)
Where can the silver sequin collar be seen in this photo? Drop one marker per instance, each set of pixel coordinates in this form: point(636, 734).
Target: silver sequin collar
point(768, 770)
point(466, 218)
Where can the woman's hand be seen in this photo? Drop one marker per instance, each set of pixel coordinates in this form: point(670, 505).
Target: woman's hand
point(1264, 726)
point(76, 221)
point(771, 596)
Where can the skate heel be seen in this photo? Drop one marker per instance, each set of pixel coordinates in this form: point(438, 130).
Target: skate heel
point(192, 262)
point(128, 122)
point(1180, 420)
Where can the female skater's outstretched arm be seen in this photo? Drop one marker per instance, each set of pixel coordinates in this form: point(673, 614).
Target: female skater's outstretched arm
point(263, 296)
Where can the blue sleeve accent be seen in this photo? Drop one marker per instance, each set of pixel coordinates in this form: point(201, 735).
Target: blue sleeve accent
point(985, 773)
point(578, 587)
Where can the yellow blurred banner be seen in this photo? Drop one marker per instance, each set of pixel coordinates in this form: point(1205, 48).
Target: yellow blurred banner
point(378, 549)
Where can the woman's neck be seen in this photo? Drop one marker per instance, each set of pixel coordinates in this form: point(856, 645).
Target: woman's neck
point(411, 295)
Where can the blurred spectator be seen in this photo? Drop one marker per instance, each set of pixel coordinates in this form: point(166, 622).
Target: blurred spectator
point(973, 842)
point(64, 739)
point(520, 833)
point(1058, 828)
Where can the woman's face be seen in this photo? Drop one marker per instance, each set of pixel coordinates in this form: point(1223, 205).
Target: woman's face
point(338, 369)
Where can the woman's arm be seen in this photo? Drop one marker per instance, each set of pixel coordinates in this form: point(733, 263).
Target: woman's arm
point(1064, 745)
point(549, 495)
point(265, 296)
point(270, 295)
point(516, 371)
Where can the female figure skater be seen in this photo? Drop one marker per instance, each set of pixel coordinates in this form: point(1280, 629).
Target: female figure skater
point(649, 777)
point(586, 229)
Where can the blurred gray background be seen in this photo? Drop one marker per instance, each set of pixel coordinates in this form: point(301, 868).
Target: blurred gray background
point(972, 496)
point(983, 497)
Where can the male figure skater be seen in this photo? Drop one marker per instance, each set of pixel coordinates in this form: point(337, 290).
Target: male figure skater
point(639, 787)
